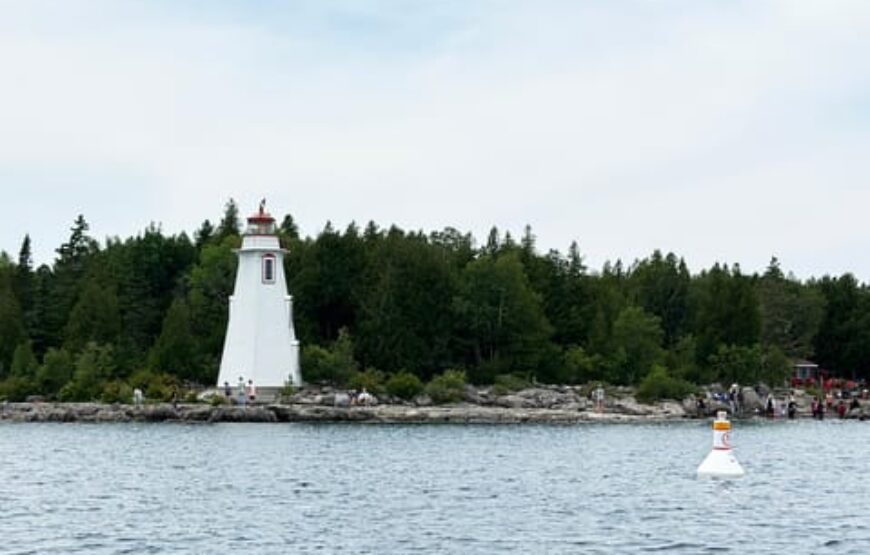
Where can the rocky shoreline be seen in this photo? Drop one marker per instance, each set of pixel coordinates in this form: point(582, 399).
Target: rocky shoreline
point(385, 414)
point(381, 414)
point(537, 405)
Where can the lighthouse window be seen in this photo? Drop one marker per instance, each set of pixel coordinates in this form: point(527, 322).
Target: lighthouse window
point(268, 269)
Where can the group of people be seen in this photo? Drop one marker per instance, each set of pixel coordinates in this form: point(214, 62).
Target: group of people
point(734, 398)
point(245, 393)
point(361, 397)
point(820, 405)
point(785, 407)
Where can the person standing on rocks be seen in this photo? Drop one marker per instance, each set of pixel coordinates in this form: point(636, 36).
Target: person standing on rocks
point(770, 406)
point(242, 398)
point(598, 396)
point(251, 391)
point(792, 407)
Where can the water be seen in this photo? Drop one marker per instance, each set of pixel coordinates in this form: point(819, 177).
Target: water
point(298, 488)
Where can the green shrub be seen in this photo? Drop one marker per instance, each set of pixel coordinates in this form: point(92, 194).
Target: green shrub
point(16, 388)
point(448, 387)
point(404, 385)
point(93, 367)
point(116, 391)
point(158, 387)
point(158, 391)
point(371, 380)
point(334, 365)
point(579, 367)
point(508, 383)
point(658, 384)
point(141, 379)
point(56, 370)
point(69, 392)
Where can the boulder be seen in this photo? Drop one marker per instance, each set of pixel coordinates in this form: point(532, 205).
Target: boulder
point(477, 396)
point(714, 406)
point(197, 414)
point(111, 415)
point(515, 402)
point(751, 401)
point(628, 405)
point(671, 408)
point(206, 395)
point(543, 398)
point(156, 413)
point(690, 404)
point(60, 415)
point(259, 414)
point(243, 414)
point(85, 409)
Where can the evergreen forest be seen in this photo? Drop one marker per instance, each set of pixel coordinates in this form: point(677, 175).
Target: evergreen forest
point(384, 304)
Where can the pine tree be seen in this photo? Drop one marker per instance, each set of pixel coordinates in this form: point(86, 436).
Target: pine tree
point(175, 351)
point(230, 222)
point(493, 243)
point(527, 244)
point(24, 278)
point(24, 363)
point(55, 372)
point(203, 235)
point(11, 327)
point(575, 260)
point(95, 318)
point(288, 228)
point(65, 282)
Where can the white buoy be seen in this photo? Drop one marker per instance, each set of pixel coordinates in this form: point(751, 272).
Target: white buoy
point(720, 463)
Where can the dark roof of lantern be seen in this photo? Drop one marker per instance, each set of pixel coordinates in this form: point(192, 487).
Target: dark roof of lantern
point(260, 218)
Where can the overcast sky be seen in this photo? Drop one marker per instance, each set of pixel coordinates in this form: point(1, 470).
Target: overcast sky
point(721, 131)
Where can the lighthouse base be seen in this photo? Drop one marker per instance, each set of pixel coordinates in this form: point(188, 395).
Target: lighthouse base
point(720, 463)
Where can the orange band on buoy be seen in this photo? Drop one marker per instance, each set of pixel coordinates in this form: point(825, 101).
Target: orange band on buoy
point(721, 425)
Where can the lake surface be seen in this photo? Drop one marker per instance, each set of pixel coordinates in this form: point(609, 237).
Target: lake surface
point(301, 488)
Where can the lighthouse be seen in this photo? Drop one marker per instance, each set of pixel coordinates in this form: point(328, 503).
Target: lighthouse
point(260, 343)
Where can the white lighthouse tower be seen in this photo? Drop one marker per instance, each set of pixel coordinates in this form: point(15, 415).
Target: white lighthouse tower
point(260, 344)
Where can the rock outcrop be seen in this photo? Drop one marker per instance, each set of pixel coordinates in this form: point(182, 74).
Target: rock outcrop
point(540, 404)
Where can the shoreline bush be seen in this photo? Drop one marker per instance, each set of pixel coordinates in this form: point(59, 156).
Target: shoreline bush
point(658, 385)
point(404, 385)
point(448, 387)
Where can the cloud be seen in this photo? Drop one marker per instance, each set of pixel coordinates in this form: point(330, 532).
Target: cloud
point(717, 131)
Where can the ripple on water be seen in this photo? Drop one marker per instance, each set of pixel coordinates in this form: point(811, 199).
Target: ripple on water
point(423, 489)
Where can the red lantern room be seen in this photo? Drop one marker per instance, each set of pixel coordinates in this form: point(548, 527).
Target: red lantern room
point(261, 223)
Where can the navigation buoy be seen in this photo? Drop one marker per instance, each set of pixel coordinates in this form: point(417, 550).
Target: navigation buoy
point(720, 463)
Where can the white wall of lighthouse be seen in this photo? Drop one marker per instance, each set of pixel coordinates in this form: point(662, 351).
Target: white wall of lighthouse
point(260, 343)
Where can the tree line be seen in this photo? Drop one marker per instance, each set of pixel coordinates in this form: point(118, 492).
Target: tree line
point(151, 311)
